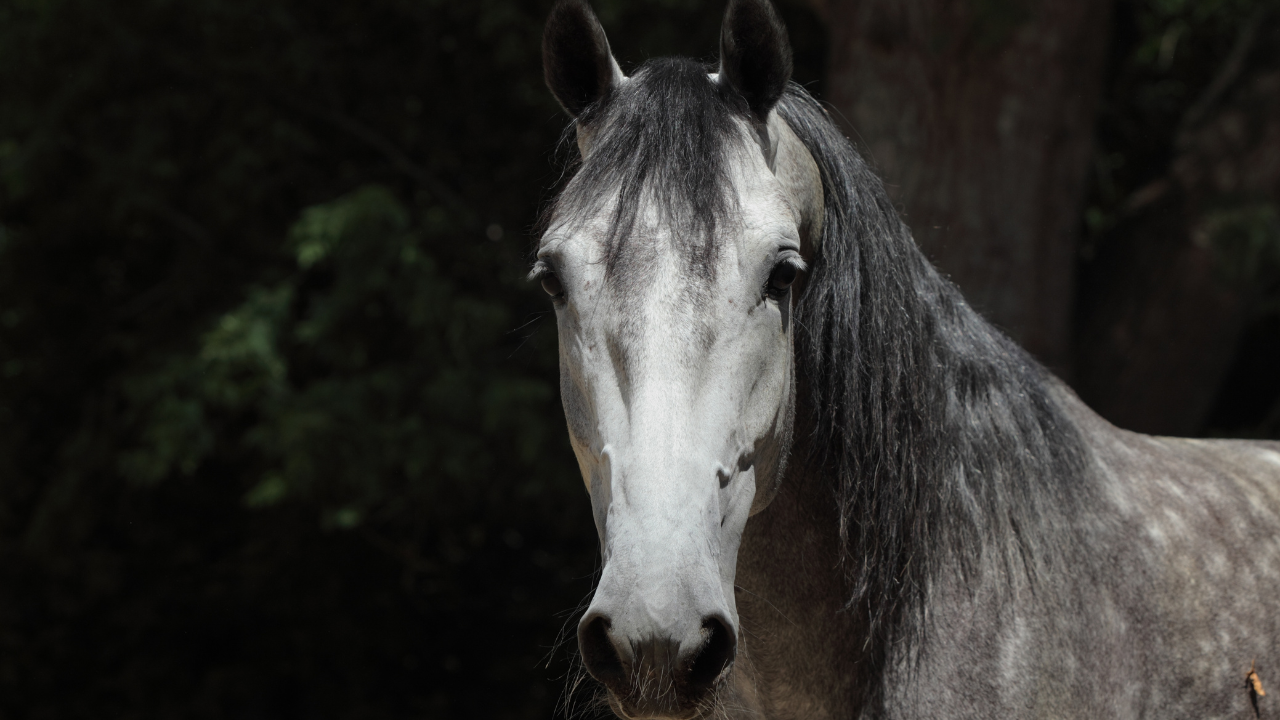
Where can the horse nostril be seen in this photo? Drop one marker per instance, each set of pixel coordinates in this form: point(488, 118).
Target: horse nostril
point(716, 654)
point(599, 653)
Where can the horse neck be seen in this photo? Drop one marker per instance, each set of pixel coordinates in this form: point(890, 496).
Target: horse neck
point(961, 457)
point(802, 646)
point(927, 443)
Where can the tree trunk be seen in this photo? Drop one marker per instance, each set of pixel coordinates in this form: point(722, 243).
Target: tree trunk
point(979, 115)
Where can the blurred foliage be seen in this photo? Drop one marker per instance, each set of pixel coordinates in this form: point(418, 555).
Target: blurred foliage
point(1173, 64)
point(1246, 243)
point(279, 423)
point(1164, 55)
point(273, 443)
point(1245, 240)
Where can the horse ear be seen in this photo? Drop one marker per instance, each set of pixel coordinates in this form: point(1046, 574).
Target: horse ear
point(755, 56)
point(576, 61)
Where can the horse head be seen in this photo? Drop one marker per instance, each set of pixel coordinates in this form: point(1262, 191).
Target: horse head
point(672, 258)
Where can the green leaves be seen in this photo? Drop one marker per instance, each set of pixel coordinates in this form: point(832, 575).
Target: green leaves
point(1245, 239)
point(371, 211)
point(239, 363)
point(363, 374)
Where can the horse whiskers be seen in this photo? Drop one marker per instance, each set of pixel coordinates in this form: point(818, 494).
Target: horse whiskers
point(582, 695)
point(716, 706)
point(577, 677)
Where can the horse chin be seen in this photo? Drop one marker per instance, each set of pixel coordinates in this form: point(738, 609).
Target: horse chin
point(660, 698)
point(665, 706)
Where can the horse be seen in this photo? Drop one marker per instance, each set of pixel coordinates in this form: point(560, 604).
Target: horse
point(824, 486)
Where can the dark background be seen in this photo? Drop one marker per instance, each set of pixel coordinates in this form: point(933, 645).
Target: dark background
point(279, 428)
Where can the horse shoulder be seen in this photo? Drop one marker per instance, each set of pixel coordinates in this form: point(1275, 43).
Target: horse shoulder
point(1185, 573)
point(1160, 611)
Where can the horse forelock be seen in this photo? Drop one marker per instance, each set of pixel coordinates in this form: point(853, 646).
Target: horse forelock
point(662, 147)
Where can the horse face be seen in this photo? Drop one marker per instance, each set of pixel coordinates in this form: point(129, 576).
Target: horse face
point(677, 382)
point(678, 387)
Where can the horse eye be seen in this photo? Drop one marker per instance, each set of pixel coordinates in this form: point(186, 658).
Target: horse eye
point(551, 284)
point(782, 277)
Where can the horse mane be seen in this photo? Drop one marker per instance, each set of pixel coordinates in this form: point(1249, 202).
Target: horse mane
point(946, 442)
point(947, 445)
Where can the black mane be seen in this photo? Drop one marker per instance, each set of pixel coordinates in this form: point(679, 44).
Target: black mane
point(944, 438)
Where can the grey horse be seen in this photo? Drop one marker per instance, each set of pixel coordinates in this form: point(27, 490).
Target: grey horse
point(824, 486)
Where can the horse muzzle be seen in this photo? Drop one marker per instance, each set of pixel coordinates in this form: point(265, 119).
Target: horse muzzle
point(656, 663)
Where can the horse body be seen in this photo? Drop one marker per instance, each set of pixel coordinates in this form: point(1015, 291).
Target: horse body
point(1160, 615)
point(844, 494)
